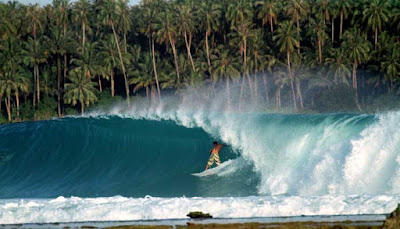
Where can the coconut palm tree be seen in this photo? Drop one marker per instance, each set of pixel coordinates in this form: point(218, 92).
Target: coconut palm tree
point(317, 29)
point(35, 54)
point(81, 15)
point(287, 40)
point(168, 34)
point(124, 20)
point(108, 16)
point(141, 74)
point(226, 67)
point(338, 65)
point(80, 89)
point(391, 65)
point(297, 9)
point(87, 62)
point(210, 13)
point(343, 6)
point(376, 14)
point(357, 49)
point(35, 21)
point(149, 25)
point(268, 12)
point(187, 26)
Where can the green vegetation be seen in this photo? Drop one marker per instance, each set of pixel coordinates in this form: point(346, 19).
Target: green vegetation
point(297, 55)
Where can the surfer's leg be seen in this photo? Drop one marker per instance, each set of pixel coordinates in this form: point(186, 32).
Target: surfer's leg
point(217, 160)
point(210, 161)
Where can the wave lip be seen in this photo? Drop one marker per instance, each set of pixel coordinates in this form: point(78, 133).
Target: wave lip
point(118, 208)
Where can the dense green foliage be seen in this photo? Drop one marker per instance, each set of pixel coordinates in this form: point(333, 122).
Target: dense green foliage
point(287, 54)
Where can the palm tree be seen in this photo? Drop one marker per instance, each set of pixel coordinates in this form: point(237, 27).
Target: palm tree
point(338, 65)
point(62, 12)
point(357, 49)
point(150, 23)
point(186, 26)
point(376, 14)
point(87, 62)
point(238, 13)
point(297, 9)
point(107, 14)
point(343, 6)
point(124, 20)
point(226, 67)
point(81, 11)
point(109, 59)
point(81, 89)
point(268, 12)
point(35, 54)
point(210, 13)
point(141, 74)
point(317, 29)
point(35, 21)
point(391, 65)
point(287, 40)
point(167, 34)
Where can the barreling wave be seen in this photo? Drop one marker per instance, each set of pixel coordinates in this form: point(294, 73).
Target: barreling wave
point(154, 153)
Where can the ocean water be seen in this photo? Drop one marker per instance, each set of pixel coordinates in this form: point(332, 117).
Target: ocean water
point(137, 165)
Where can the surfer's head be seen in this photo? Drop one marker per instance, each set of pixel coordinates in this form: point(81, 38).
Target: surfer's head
point(215, 143)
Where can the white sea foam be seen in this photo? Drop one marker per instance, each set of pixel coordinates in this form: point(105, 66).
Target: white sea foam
point(118, 208)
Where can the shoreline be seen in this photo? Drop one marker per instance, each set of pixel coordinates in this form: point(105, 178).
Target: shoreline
point(326, 221)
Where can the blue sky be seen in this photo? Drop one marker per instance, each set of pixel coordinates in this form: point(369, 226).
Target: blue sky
point(44, 2)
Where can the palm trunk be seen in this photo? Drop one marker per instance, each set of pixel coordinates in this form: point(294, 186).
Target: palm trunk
point(319, 50)
point(278, 98)
point(291, 80)
point(245, 66)
point(59, 85)
point(207, 49)
point(147, 92)
point(333, 29)
point(125, 44)
point(155, 69)
point(122, 64)
point(83, 37)
point(172, 43)
point(376, 36)
point(112, 84)
point(341, 25)
point(271, 25)
point(241, 93)
point(266, 87)
point(34, 87)
point(298, 31)
point(17, 100)
point(38, 84)
point(355, 84)
point(188, 51)
point(228, 93)
point(299, 95)
point(8, 107)
point(82, 107)
point(100, 87)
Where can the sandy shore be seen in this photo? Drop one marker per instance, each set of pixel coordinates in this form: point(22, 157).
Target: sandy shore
point(316, 222)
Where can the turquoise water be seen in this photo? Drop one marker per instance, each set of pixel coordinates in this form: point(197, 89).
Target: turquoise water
point(138, 165)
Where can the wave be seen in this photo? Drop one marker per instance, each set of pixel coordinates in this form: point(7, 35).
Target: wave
point(117, 208)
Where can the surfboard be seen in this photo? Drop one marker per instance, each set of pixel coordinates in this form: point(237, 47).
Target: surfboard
point(214, 171)
point(205, 173)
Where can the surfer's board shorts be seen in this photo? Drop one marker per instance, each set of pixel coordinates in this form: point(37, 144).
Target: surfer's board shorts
point(214, 157)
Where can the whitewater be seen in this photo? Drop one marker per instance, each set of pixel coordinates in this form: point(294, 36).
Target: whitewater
point(136, 164)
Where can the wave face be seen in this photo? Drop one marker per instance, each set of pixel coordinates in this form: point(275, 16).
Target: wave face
point(134, 154)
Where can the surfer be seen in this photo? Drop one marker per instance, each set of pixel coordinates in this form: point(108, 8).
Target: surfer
point(214, 154)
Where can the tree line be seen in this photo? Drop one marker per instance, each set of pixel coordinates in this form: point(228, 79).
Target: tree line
point(69, 55)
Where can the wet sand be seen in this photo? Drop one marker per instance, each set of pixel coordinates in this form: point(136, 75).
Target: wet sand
point(298, 222)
